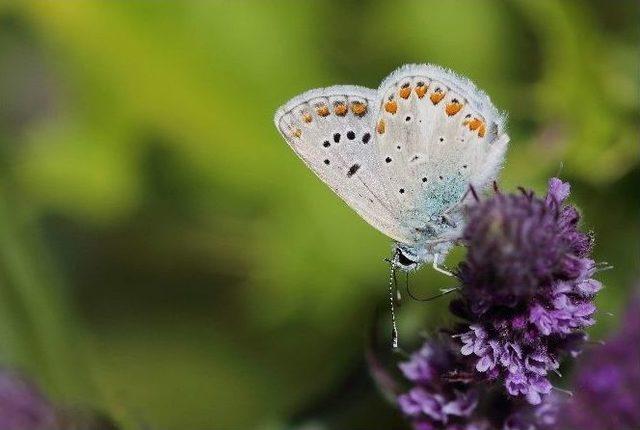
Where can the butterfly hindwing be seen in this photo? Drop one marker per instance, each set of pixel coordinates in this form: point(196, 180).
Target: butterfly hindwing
point(436, 135)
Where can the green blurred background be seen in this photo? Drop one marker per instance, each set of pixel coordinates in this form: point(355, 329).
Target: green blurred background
point(164, 256)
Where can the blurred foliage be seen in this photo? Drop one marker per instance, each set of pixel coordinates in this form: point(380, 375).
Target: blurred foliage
point(164, 255)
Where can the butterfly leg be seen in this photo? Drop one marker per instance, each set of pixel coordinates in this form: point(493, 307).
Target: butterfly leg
point(449, 221)
point(438, 268)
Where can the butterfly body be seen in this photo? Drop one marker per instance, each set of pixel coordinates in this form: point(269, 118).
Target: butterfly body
point(403, 156)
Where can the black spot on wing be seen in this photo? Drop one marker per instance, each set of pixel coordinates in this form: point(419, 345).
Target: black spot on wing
point(352, 170)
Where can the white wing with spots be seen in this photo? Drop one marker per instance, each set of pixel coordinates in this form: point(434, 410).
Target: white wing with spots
point(436, 134)
point(331, 131)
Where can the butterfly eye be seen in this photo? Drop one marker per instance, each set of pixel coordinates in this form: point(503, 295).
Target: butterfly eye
point(402, 259)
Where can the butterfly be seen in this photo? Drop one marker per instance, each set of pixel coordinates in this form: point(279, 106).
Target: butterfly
point(404, 156)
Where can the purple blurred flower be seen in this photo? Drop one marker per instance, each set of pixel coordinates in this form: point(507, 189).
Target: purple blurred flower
point(22, 406)
point(607, 383)
point(441, 397)
point(527, 290)
point(447, 394)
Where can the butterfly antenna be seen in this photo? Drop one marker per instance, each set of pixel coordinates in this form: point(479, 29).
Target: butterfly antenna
point(394, 328)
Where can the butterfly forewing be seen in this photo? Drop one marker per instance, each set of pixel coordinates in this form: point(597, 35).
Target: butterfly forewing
point(331, 130)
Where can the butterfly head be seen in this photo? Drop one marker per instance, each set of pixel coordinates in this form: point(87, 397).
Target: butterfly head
point(412, 257)
point(404, 258)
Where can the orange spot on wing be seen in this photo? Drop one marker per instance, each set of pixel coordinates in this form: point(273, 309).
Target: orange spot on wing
point(358, 108)
point(453, 107)
point(322, 110)
point(482, 130)
point(436, 96)
point(380, 127)
point(474, 124)
point(405, 92)
point(296, 133)
point(306, 117)
point(421, 90)
point(391, 107)
point(340, 109)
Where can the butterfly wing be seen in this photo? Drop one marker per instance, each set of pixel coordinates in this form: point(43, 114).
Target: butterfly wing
point(436, 134)
point(402, 156)
point(331, 130)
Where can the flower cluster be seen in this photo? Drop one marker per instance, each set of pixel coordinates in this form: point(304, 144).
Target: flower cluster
point(441, 397)
point(526, 288)
point(526, 296)
point(446, 394)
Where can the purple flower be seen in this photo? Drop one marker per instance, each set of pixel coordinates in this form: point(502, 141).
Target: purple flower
point(526, 288)
point(441, 397)
point(22, 406)
point(420, 368)
point(607, 382)
point(454, 397)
